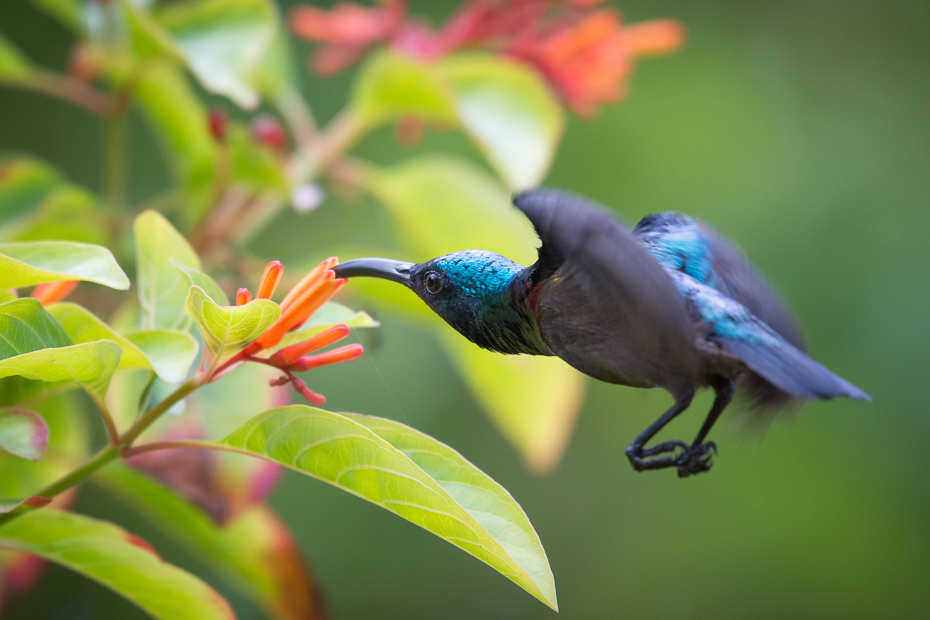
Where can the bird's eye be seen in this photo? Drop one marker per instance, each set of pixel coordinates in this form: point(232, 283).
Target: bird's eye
point(433, 282)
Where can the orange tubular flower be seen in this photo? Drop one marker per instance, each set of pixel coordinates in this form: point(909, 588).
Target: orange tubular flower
point(243, 296)
point(50, 292)
point(314, 290)
point(271, 277)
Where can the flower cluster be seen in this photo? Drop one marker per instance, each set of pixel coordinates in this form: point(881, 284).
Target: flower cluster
point(308, 296)
point(584, 52)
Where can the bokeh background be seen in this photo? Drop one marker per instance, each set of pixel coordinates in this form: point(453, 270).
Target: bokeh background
point(799, 128)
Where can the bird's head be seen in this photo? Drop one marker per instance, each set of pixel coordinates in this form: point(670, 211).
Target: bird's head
point(470, 290)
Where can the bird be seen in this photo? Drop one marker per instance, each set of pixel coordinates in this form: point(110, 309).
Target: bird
point(670, 304)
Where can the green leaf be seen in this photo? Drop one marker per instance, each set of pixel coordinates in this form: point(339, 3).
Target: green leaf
point(162, 288)
point(23, 433)
point(226, 330)
point(236, 551)
point(12, 62)
point(223, 42)
point(344, 452)
point(26, 326)
point(91, 364)
point(168, 352)
point(33, 262)
point(510, 112)
point(392, 86)
point(330, 315)
point(180, 121)
point(199, 278)
point(444, 205)
point(118, 560)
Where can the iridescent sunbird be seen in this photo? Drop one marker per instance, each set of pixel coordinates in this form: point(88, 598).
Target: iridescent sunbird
point(671, 304)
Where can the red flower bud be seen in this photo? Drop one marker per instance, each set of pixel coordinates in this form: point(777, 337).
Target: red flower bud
point(243, 296)
point(218, 122)
point(268, 131)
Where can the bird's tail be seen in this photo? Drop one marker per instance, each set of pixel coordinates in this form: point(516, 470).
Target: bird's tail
point(782, 366)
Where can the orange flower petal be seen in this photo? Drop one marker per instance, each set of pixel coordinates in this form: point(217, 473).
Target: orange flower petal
point(657, 36)
point(289, 355)
point(270, 279)
point(308, 280)
point(336, 356)
point(50, 292)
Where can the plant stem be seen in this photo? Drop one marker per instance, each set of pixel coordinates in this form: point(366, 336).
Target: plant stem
point(174, 445)
point(155, 412)
point(108, 454)
point(114, 165)
point(64, 87)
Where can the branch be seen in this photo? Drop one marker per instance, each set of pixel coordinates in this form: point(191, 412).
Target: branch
point(64, 87)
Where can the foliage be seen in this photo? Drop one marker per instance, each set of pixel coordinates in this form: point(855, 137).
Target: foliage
point(134, 356)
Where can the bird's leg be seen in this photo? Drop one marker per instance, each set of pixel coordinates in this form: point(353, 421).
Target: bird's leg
point(637, 452)
point(697, 457)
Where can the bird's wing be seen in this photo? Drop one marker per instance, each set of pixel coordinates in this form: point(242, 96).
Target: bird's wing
point(607, 306)
point(770, 356)
point(695, 248)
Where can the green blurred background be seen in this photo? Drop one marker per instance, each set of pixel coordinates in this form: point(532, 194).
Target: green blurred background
point(802, 130)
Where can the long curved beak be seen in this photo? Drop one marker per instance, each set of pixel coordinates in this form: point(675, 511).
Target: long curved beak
point(383, 268)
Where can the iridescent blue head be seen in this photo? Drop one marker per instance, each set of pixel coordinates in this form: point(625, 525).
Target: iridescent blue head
point(481, 294)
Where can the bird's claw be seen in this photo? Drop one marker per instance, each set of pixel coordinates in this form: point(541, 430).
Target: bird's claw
point(638, 460)
point(696, 459)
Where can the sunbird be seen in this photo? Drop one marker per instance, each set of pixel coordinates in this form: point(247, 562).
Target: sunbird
point(672, 304)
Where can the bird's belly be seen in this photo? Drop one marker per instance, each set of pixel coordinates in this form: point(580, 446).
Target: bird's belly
point(594, 349)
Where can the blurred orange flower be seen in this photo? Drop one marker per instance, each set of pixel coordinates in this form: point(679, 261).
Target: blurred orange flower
point(584, 52)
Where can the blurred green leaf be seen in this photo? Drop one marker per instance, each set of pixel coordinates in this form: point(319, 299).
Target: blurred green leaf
point(118, 560)
point(346, 453)
point(68, 12)
point(240, 552)
point(37, 203)
point(67, 448)
point(226, 330)
point(25, 183)
point(12, 62)
point(392, 86)
point(223, 41)
point(510, 112)
point(168, 352)
point(444, 205)
point(330, 315)
point(198, 278)
point(23, 432)
point(277, 74)
point(180, 121)
point(147, 38)
point(32, 262)
point(68, 214)
point(162, 287)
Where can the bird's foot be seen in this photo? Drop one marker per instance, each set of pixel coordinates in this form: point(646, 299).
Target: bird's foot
point(646, 458)
point(696, 459)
